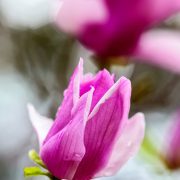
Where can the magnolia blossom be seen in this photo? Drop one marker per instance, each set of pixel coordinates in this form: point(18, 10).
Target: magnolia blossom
point(91, 135)
point(173, 149)
point(121, 28)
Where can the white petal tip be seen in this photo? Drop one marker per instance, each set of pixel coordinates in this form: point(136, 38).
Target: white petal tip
point(81, 61)
point(30, 107)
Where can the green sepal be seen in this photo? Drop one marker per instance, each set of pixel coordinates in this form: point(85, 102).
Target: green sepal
point(33, 155)
point(35, 171)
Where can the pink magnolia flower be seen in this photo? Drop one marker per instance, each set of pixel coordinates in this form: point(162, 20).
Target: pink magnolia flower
point(121, 28)
point(91, 135)
point(173, 150)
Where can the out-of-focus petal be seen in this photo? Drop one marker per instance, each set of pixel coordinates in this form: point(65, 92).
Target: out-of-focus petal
point(63, 152)
point(101, 83)
point(102, 129)
point(173, 148)
point(73, 15)
point(161, 48)
point(41, 124)
point(127, 145)
point(71, 96)
point(127, 21)
point(158, 10)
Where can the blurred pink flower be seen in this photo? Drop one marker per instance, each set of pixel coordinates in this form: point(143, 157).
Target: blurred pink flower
point(173, 150)
point(91, 135)
point(116, 28)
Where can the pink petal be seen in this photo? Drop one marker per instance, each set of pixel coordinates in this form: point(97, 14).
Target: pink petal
point(73, 15)
point(102, 129)
point(87, 77)
point(161, 48)
point(63, 152)
point(126, 145)
point(101, 82)
point(110, 92)
point(161, 9)
point(71, 97)
point(41, 124)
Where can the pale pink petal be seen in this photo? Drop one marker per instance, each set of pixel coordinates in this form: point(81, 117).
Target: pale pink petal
point(74, 14)
point(63, 152)
point(127, 145)
point(40, 123)
point(160, 48)
point(102, 128)
point(71, 97)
